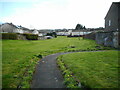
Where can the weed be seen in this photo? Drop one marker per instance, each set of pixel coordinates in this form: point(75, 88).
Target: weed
point(69, 80)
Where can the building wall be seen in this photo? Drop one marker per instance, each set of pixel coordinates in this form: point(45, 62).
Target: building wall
point(111, 19)
point(35, 32)
point(18, 31)
point(10, 28)
point(7, 28)
point(119, 17)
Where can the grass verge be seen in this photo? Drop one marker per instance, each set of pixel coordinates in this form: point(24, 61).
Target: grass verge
point(69, 79)
point(26, 78)
point(91, 69)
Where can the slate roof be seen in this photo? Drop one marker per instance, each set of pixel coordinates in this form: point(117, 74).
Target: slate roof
point(114, 3)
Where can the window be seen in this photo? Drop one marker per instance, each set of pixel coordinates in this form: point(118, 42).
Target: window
point(109, 23)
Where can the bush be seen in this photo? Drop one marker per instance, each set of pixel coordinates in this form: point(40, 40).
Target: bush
point(12, 36)
point(53, 34)
point(31, 36)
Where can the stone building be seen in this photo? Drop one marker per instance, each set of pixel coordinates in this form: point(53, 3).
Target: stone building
point(112, 19)
point(7, 28)
point(11, 28)
point(111, 36)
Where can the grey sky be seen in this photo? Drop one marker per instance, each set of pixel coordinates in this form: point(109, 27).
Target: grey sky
point(54, 14)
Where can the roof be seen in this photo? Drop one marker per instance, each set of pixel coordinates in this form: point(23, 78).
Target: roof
point(9, 24)
point(16, 26)
point(113, 3)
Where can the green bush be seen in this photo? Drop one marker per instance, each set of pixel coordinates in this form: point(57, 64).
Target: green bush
point(53, 34)
point(12, 36)
point(31, 36)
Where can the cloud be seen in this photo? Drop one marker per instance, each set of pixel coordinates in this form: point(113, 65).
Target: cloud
point(61, 14)
point(43, 15)
point(19, 0)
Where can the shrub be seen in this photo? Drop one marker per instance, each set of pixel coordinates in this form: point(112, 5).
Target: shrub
point(53, 34)
point(13, 36)
point(31, 36)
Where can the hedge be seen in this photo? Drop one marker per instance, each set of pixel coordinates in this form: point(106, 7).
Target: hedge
point(31, 36)
point(13, 36)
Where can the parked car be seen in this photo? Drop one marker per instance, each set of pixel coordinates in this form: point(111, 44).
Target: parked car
point(48, 37)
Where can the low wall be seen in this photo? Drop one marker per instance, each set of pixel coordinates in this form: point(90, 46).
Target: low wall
point(90, 36)
point(111, 39)
point(21, 37)
point(108, 39)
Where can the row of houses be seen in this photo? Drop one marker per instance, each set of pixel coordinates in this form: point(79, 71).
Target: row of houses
point(11, 28)
point(112, 23)
point(73, 32)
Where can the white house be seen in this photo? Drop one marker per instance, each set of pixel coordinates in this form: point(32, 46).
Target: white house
point(35, 31)
point(7, 28)
point(18, 31)
point(11, 28)
point(40, 35)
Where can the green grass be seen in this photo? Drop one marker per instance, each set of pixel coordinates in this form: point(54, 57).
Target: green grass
point(0, 64)
point(92, 69)
point(17, 56)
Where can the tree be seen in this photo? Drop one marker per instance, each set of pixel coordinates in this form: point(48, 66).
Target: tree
point(79, 26)
point(53, 34)
point(84, 27)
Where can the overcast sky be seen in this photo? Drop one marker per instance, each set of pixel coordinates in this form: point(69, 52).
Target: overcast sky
point(55, 14)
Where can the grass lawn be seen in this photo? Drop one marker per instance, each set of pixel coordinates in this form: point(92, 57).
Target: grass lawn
point(92, 69)
point(18, 56)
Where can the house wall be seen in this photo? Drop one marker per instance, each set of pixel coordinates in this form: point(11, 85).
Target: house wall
point(26, 31)
point(35, 32)
point(7, 28)
point(111, 19)
point(119, 17)
point(10, 28)
point(18, 31)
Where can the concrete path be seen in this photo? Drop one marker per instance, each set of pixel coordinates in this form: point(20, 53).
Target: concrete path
point(47, 74)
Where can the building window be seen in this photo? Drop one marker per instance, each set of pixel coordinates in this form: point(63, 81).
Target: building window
point(109, 23)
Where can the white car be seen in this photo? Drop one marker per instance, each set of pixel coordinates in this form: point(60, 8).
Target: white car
point(48, 37)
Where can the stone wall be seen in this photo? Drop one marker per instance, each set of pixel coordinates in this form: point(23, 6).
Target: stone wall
point(21, 37)
point(111, 38)
point(90, 36)
point(108, 39)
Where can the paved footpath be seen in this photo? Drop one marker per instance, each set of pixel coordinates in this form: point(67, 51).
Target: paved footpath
point(47, 74)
